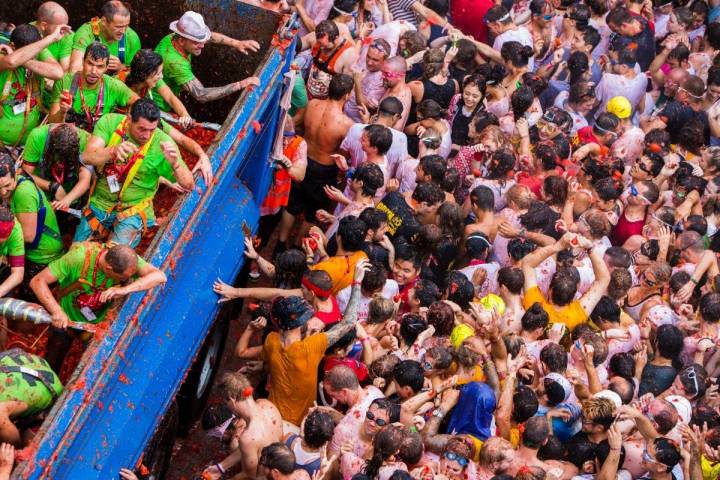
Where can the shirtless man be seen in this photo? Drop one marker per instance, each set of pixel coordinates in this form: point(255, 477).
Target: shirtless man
point(332, 54)
point(262, 426)
point(537, 431)
point(325, 128)
point(393, 73)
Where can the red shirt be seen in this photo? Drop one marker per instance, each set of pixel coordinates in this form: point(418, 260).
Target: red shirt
point(469, 17)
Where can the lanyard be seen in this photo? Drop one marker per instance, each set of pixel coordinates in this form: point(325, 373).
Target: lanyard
point(98, 103)
point(94, 274)
point(179, 50)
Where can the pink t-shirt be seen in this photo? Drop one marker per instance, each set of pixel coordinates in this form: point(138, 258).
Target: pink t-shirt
point(349, 427)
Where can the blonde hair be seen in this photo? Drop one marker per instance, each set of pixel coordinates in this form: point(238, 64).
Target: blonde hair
point(380, 309)
point(234, 385)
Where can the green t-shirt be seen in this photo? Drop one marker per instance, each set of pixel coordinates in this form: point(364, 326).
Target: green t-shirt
point(68, 269)
point(35, 151)
point(116, 94)
point(84, 37)
point(13, 105)
point(60, 49)
point(298, 97)
point(177, 70)
point(22, 387)
point(145, 183)
point(14, 247)
point(26, 199)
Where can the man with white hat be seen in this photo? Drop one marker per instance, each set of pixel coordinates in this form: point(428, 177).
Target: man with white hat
point(190, 34)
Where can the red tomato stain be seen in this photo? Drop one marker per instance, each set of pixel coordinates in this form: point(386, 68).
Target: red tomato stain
point(124, 379)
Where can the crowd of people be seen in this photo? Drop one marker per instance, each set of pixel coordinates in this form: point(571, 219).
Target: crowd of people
point(489, 250)
point(91, 126)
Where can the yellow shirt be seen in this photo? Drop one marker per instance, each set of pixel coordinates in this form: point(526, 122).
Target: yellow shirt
point(571, 314)
point(293, 373)
point(710, 470)
point(341, 269)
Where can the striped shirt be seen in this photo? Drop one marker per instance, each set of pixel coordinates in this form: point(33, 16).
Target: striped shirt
point(402, 10)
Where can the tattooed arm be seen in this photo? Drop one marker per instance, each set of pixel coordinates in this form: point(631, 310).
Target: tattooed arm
point(351, 312)
point(208, 94)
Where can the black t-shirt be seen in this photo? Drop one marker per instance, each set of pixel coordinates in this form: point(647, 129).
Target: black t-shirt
point(645, 42)
point(677, 114)
point(402, 223)
point(656, 379)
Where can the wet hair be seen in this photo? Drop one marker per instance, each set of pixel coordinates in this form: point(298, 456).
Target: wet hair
point(652, 192)
point(409, 373)
point(24, 34)
point(691, 136)
point(536, 432)
point(112, 8)
point(606, 121)
point(563, 288)
point(666, 452)
point(712, 35)
point(482, 198)
point(441, 316)
point(385, 444)
point(623, 365)
point(390, 106)
point(599, 411)
point(342, 7)
point(518, 248)
point(492, 72)
point(502, 162)
point(540, 217)
point(547, 154)
point(477, 246)
point(451, 180)
point(536, 83)
point(443, 356)
point(373, 218)
point(144, 64)
point(411, 325)
point(475, 80)
point(278, 456)
point(498, 14)
point(428, 192)
point(694, 388)
point(521, 100)
point(340, 85)
point(556, 190)
point(429, 108)
point(618, 16)
point(709, 307)
point(380, 309)
point(374, 279)
point(144, 108)
point(319, 278)
point(371, 176)
point(290, 266)
point(414, 42)
point(606, 310)
point(618, 257)
point(352, 231)
point(451, 219)
point(579, 91)
point(411, 450)
point(379, 137)
point(552, 450)
point(591, 36)
point(383, 367)
point(579, 450)
point(535, 317)
point(408, 253)
point(554, 357)
point(624, 387)
point(433, 165)
point(329, 28)
point(620, 283)
point(525, 404)
point(426, 292)
point(696, 223)
point(512, 278)
point(97, 51)
point(63, 145)
point(669, 341)
point(465, 57)
point(459, 289)
point(577, 64)
point(318, 429)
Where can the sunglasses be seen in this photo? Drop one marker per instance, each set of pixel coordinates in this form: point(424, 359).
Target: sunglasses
point(643, 168)
point(454, 457)
point(548, 17)
point(427, 366)
point(690, 372)
point(378, 421)
point(647, 458)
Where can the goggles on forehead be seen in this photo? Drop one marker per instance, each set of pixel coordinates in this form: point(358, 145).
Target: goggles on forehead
point(392, 75)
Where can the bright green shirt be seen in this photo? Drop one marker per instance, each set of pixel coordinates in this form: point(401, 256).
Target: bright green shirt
point(14, 247)
point(13, 105)
point(177, 70)
point(298, 97)
point(116, 94)
point(35, 152)
point(145, 183)
point(68, 269)
point(84, 37)
point(27, 198)
point(60, 49)
point(18, 386)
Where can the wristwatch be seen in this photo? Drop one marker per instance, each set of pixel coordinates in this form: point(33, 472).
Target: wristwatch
point(438, 413)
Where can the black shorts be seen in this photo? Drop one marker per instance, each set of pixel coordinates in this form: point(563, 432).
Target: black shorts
point(309, 195)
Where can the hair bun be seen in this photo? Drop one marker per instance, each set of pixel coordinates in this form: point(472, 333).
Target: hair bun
point(527, 51)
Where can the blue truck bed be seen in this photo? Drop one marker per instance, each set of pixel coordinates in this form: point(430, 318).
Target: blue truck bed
point(129, 375)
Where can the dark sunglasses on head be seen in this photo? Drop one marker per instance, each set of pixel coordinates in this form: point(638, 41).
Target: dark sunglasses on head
point(378, 421)
point(454, 457)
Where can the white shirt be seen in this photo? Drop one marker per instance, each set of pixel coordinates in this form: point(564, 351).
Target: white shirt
point(396, 154)
point(521, 35)
point(613, 85)
point(343, 297)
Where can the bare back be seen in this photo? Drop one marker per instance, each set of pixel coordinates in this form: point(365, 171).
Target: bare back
point(325, 128)
point(262, 431)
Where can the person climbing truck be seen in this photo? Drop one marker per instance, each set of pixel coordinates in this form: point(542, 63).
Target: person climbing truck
point(28, 386)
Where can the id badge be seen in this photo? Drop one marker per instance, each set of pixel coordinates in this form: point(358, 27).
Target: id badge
point(88, 314)
point(113, 184)
point(19, 108)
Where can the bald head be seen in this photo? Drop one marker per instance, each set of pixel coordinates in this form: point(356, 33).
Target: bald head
point(396, 64)
point(49, 15)
point(122, 260)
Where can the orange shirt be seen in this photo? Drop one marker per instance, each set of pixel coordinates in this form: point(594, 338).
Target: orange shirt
point(341, 269)
point(571, 314)
point(293, 373)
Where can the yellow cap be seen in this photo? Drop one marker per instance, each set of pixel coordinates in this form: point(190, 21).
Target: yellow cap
point(460, 333)
point(620, 106)
point(491, 301)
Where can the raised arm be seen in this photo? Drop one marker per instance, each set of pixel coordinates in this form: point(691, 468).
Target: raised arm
point(531, 261)
point(351, 312)
point(24, 54)
point(207, 94)
point(599, 286)
point(243, 46)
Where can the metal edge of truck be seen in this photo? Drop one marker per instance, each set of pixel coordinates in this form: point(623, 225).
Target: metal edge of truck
point(129, 375)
